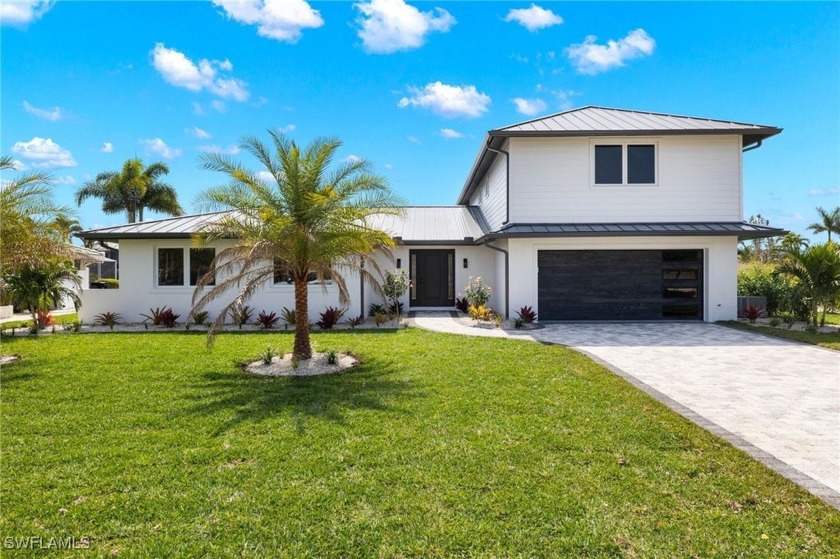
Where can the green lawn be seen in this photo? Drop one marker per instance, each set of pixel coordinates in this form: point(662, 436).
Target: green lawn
point(831, 341)
point(58, 319)
point(436, 446)
point(832, 318)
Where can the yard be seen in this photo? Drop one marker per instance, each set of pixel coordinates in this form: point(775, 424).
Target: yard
point(828, 340)
point(436, 445)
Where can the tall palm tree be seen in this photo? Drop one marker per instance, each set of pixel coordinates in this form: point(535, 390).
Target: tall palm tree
point(829, 222)
point(307, 220)
point(817, 272)
point(67, 225)
point(132, 189)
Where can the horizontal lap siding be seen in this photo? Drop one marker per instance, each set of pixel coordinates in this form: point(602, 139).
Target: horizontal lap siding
point(494, 204)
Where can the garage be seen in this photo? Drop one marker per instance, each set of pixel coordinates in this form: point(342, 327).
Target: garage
point(620, 284)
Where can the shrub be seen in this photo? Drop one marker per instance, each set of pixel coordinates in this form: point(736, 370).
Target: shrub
point(330, 318)
point(267, 320)
point(527, 314)
point(395, 286)
point(774, 322)
point(761, 280)
point(77, 326)
point(395, 309)
point(480, 312)
point(498, 320)
point(45, 319)
point(380, 319)
point(332, 357)
point(241, 314)
point(477, 292)
point(789, 320)
point(200, 317)
point(268, 355)
point(518, 323)
point(109, 319)
point(753, 313)
point(376, 309)
point(169, 319)
point(155, 315)
point(355, 321)
point(462, 304)
point(289, 316)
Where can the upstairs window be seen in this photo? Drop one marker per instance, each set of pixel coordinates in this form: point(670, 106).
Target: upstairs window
point(618, 164)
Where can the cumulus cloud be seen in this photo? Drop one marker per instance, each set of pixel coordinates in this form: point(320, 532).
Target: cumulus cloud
point(352, 159)
point(823, 191)
point(266, 177)
point(43, 153)
point(157, 146)
point(449, 101)
point(107, 147)
point(64, 180)
point(232, 149)
point(288, 129)
point(530, 107)
point(282, 20)
point(198, 133)
point(450, 134)
point(176, 68)
point(52, 114)
point(534, 18)
point(387, 26)
point(21, 13)
point(591, 58)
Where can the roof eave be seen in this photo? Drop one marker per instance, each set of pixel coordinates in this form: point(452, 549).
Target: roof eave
point(750, 135)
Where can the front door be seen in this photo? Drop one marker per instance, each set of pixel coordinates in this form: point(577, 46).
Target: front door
point(432, 278)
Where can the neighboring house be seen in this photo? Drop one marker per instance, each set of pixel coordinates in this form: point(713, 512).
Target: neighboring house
point(589, 214)
point(108, 268)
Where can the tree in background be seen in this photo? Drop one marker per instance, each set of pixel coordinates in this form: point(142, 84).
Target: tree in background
point(131, 190)
point(40, 287)
point(306, 221)
point(829, 222)
point(816, 270)
point(66, 226)
point(761, 249)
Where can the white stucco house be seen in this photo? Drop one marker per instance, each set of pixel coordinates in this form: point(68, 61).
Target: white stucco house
point(589, 214)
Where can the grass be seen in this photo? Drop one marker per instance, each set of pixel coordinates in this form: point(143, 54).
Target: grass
point(830, 340)
point(832, 318)
point(68, 318)
point(436, 446)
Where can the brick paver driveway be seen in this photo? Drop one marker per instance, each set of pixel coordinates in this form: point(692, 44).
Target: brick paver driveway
point(777, 400)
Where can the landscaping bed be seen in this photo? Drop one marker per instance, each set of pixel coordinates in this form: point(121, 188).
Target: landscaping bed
point(828, 336)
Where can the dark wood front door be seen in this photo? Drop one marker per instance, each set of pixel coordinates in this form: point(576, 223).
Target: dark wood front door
point(432, 278)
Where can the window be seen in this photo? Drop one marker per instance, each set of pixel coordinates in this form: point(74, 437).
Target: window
point(625, 164)
point(170, 266)
point(282, 274)
point(200, 259)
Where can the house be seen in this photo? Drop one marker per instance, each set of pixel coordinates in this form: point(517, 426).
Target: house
point(589, 214)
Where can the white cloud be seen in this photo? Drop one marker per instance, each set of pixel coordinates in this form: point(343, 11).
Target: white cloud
point(413, 139)
point(591, 58)
point(230, 150)
point(823, 191)
point(44, 153)
point(180, 71)
point(197, 108)
point(534, 18)
point(388, 166)
point(107, 147)
point(65, 180)
point(261, 101)
point(387, 26)
point(218, 106)
point(449, 101)
point(450, 134)
point(198, 133)
point(283, 20)
point(288, 129)
point(159, 147)
point(23, 12)
point(52, 114)
point(267, 177)
point(18, 165)
point(530, 107)
point(352, 158)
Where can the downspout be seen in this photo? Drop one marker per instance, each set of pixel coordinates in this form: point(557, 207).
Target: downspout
point(752, 147)
point(362, 287)
point(507, 275)
point(507, 181)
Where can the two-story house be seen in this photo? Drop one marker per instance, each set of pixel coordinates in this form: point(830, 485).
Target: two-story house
point(589, 214)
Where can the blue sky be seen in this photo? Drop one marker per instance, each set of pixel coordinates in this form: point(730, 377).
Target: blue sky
point(411, 87)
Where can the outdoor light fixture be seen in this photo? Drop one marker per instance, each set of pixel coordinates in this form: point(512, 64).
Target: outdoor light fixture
point(399, 263)
point(466, 263)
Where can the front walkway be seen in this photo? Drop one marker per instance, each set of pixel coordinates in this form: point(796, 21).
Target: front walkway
point(779, 401)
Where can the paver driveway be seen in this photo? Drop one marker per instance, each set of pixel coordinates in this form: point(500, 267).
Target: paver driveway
point(777, 400)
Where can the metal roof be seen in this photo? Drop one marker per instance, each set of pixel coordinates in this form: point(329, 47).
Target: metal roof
point(604, 121)
point(742, 230)
point(426, 224)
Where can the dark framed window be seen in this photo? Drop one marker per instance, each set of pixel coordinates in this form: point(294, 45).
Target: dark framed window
point(170, 266)
point(641, 164)
point(608, 165)
point(282, 274)
point(200, 260)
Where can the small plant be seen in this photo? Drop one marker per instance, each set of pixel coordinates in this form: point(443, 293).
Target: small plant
point(517, 323)
point(527, 314)
point(753, 313)
point(478, 292)
point(77, 326)
point(240, 315)
point(330, 318)
point(33, 330)
point(395, 309)
point(68, 326)
point(268, 355)
point(355, 321)
point(404, 324)
point(267, 320)
point(295, 362)
point(45, 319)
point(109, 319)
point(168, 319)
point(187, 326)
point(812, 329)
point(200, 317)
point(332, 357)
point(289, 316)
point(480, 312)
point(790, 320)
point(155, 315)
point(462, 304)
point(498, 319)
point(380, 319)
point(774, 322)
point(376, 309)
point(395, 286)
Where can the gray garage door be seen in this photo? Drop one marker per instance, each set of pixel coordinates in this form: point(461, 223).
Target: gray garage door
point(620, 284)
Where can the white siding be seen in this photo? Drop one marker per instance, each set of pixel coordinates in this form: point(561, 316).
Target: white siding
point(491, 195)
point(699, 179)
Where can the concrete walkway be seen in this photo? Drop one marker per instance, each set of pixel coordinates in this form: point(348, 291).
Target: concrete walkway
point(778, 401)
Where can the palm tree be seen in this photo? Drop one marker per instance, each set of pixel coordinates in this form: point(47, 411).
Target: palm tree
point(132, 189)
point(41, 287)
point(817, 272)
point(306, 220)
point(67, 225)
point(829, 222)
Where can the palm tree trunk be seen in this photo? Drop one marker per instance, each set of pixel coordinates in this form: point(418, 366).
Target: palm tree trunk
point(302, 348)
